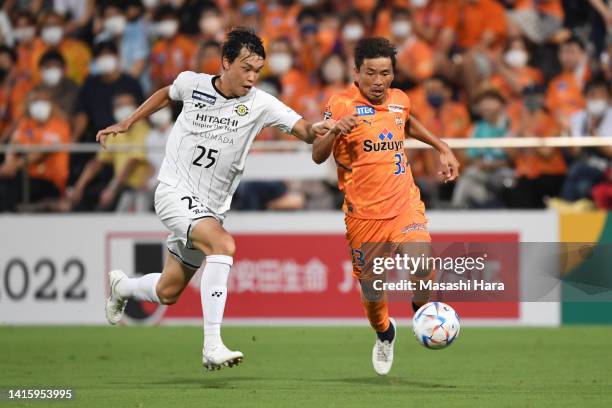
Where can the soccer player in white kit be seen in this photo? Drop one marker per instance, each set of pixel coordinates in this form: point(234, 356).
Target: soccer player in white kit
point(203, 164)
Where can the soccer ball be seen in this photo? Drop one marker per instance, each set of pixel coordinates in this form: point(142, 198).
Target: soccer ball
point(436, 325)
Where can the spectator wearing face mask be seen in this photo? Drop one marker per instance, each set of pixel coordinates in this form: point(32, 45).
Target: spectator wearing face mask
point(564, 94)
point(208, 58)
point(311, 47)
point(352, 29)
point(334, 75)
point(487, 170)
point(173, 52)
point(211, 26)
point(75, 52)
point(130, 168)
point(540, 171)
point(128, 32)
point(428, 18)
point(279, 19)
point(25, 35)
point(591, 164)
point(62, 91)
point(414, 56)
point(13, 92)
point(512, 75)
point(280, 63)
point(47, 172)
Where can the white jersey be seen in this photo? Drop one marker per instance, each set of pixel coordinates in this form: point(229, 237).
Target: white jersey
point(208, 145)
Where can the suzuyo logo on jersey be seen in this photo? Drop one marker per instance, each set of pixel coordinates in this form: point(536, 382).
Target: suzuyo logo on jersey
point(383, 142)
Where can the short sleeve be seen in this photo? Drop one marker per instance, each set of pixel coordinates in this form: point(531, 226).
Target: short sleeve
point(279, 115)
point(179, 90)
point(336, 108)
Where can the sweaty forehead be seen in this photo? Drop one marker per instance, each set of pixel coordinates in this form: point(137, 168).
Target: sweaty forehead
point(377, 64)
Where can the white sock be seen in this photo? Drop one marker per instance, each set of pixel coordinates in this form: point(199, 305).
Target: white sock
point(142, 288)
point(213, 293)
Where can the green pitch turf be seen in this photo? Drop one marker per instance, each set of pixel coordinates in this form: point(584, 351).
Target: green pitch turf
point(310, 367)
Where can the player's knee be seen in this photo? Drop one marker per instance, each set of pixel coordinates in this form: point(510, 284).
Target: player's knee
point(224, 246)
point(168, 295)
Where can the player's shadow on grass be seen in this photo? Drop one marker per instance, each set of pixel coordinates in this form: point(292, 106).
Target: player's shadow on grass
point(202, 381)
point(391, 381)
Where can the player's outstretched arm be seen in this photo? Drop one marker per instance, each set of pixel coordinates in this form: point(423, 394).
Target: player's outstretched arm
point(450, 164)
point(309, 132)
point(155, 102)
point(322, 146)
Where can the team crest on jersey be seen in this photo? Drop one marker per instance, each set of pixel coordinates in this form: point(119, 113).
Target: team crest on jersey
point(396, 108)
point(364, 110)
point(399, 121)
point(327, 114)
point(204, 97)
point(241, 110)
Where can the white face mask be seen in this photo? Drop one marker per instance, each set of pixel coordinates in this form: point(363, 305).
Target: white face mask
point(40, 110)
point(115, 25)
point(161, 118)
point(149, 4)
point(51, 76)
point(516, 58)
point(418, 3)
point(24, 33)
point(333, 72)
point(280, 63)
point(401, 29)
point(352, 32)
point(52, 35)
point(596, 107)
point(123, 112)
point(167, 28)
point(210, 25)
point(106, 64)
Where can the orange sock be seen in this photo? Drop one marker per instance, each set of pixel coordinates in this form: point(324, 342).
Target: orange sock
point(378, 314)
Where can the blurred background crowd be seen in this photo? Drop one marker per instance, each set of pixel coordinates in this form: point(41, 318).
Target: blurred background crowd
point(472, 68)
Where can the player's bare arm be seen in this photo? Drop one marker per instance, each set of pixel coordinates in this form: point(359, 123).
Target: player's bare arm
point(322, 146)
point(450, 164)
point(155, 102)
point(309, 132)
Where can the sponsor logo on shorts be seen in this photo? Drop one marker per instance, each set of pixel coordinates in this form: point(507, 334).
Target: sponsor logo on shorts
point(396, 108)
point(204, 97)
point(414, 227)
point(364, 110)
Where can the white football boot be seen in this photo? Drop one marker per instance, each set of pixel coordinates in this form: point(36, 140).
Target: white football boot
point(115, 305)
point(218, 356)
point(382, 353)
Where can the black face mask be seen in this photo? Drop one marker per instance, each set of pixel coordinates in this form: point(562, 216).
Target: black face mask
point(3, 74)
point(435, 100)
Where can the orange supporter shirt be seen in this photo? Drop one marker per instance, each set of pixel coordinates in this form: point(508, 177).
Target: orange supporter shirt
point(54, 166)
point(372, 170)
point(453, 120)
point(469, 20)
point(171, 57)
point(564, 95)
point(551, 7)
point(532, 163)
point(76, 53)
point(417, 55)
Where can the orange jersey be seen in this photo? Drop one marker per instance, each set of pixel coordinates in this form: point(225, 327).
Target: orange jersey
point(54, 166)
point(372, 170)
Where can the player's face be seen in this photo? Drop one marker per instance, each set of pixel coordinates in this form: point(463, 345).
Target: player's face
point(374, 78)
point(243, 72)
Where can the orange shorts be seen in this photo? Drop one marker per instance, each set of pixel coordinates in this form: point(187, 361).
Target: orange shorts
point(408, 226)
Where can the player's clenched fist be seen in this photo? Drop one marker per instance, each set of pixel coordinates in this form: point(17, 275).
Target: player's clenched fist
point(450, 165)
point(120, 127)
point(322, 127)
point(346, 124)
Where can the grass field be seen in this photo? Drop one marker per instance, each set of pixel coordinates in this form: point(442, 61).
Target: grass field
point(310, 367)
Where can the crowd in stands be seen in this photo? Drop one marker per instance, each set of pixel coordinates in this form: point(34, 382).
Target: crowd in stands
point(472, 68)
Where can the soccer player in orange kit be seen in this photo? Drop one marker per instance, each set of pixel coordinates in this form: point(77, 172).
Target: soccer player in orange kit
point(382, 203)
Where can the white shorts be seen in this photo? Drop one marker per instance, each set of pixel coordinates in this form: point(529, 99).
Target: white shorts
point(179, 211)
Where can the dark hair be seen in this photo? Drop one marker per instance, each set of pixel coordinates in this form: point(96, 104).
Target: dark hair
point(27, 15)
point(597, 82)
point(8, 50)
point(374, 47)
point(440, 78)
point(105, 46)
point(51, 56)
point(308, 12)
point(110, 4)
point(238, 38)
point(352, 15)
point(574, 39)
point(400, 12)
point(489, 93)
point(165, 11)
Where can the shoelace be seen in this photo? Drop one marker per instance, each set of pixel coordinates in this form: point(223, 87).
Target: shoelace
point(381, 350)
point(119, 305)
